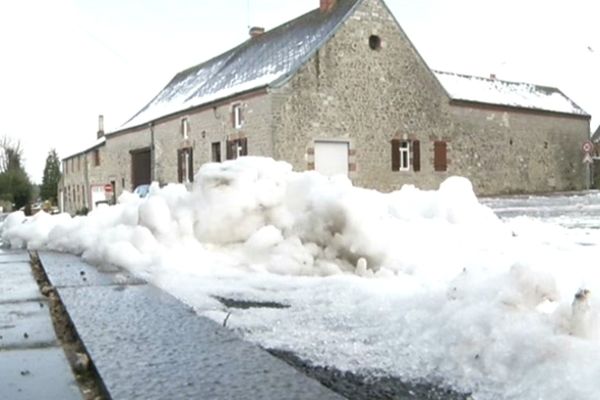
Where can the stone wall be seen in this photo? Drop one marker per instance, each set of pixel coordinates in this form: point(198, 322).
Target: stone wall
point(369, 97)
point(518, 151)
point(348, 90)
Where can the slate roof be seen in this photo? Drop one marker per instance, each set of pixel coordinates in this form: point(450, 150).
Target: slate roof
point(505, 93)
point(267, 60)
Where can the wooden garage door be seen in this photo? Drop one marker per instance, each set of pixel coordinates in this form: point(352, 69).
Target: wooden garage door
point(140, 167)
point(331, 158)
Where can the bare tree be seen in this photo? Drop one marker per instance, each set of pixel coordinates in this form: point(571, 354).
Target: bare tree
point(11, 154)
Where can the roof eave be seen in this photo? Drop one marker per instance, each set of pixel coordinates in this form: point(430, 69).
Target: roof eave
point(210, 103)
point(80, 153)
point(463, 102)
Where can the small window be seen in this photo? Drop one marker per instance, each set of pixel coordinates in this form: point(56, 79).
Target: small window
point(185, 129)
point(216, 152)
point(238, 118)
point(185, 164)
point(237, 148)
point(440, 156)
point(96, 157)
point(374, 42)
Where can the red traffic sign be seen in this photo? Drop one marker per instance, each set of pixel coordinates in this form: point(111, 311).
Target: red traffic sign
point(587, 147)
point(108, 188)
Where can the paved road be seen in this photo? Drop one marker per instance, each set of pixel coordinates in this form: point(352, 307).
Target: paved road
point(32, 364)
point(145, 344)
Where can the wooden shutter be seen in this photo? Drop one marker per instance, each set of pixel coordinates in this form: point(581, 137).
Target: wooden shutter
point(228, 150)
point(244, 144)
point(179, 168)
point(440, 162)
point(416, 155)
point(191, 164)
point(395, 155)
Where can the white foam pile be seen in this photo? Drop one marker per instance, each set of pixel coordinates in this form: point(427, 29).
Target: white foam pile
point(423, 285)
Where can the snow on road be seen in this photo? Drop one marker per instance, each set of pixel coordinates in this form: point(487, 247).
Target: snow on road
point(422, 285)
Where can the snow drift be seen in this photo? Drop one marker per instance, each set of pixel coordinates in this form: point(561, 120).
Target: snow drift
point(455, 295)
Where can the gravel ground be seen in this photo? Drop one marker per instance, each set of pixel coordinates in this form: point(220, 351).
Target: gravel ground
point(356, 387)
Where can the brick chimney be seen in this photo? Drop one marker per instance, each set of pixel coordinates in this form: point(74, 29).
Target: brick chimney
point(327, 5)
point(100, 126)
point(493, 77)
point(256, 31)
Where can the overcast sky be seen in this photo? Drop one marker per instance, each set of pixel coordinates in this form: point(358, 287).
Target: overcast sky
point(63, 62)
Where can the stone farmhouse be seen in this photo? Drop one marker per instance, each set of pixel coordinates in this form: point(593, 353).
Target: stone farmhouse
point(341, 89)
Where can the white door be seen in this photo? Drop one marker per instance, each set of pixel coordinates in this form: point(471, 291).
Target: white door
point(331, 158)
point(98, 194)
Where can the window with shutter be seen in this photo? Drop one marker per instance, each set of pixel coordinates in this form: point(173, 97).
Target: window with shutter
point(406, 154)
point(237, 148)
point(440, 162)
point(185, 165)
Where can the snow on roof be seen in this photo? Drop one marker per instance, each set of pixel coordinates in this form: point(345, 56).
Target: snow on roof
point(512, 94)
point(97, 143)
point(264, 60)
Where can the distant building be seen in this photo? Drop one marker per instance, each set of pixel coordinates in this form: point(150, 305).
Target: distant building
point(84, 182)
point(596, 136)
point(342, 89)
